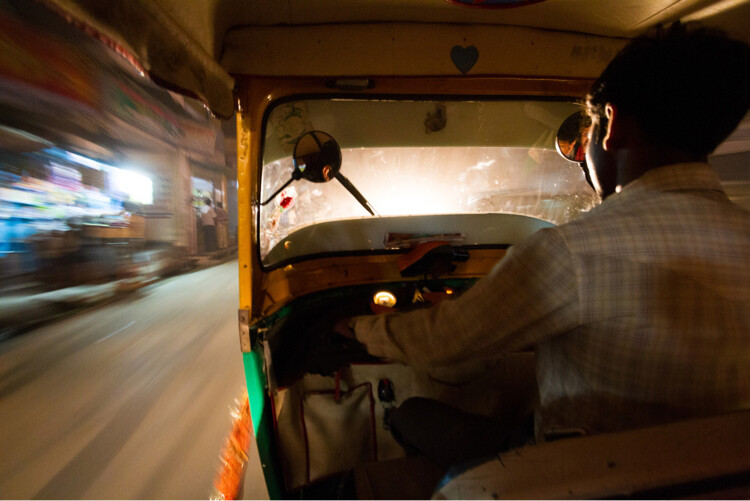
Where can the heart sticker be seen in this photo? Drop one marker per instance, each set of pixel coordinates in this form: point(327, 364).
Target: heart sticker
point(464, 57)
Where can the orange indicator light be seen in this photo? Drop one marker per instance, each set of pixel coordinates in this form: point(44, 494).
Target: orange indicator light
point(384, 298)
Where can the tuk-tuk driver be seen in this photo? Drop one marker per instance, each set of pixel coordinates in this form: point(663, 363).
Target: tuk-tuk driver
point(639, 310)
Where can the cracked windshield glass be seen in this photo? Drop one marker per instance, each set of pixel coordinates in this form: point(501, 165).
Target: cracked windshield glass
point(418, 158)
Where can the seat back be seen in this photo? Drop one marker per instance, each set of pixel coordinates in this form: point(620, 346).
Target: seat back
point(707, 457)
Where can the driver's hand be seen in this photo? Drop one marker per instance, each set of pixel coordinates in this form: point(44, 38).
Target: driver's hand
point(341, 327)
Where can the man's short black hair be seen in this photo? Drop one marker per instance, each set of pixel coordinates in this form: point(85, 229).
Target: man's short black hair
point(687, 87)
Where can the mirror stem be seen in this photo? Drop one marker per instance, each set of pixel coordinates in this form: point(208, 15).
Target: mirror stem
point(356, 194)
point(278, 191)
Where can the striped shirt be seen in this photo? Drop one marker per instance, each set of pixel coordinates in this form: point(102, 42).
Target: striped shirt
point(639, 310)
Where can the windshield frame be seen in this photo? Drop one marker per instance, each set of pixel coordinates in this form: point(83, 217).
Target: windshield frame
point(370, 96)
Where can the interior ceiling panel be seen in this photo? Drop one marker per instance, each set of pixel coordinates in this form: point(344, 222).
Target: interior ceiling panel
point(178, 42)
point(602, 17)
point(617, 18)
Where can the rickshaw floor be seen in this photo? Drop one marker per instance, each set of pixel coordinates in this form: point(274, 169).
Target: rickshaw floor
point(410, 477)
point(335, 487)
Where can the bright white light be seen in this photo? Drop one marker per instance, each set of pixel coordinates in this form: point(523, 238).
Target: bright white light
point(136, 186)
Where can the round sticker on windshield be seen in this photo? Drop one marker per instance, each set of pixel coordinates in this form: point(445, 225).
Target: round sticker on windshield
point(494, 4)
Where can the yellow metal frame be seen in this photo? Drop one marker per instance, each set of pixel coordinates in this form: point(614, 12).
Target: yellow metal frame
point(284, 284)
point(263, 293)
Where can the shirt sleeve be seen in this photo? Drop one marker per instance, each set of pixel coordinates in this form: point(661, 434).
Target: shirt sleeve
point(530, 295)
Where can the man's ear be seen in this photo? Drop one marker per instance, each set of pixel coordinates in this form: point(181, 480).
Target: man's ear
point(611, 139)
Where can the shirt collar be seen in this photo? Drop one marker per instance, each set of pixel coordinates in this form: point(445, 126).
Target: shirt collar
point(677, 177)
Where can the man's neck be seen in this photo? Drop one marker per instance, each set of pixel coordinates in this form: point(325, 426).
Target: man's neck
point(632, 164)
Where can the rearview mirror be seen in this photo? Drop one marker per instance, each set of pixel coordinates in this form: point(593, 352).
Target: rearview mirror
point(317, 158)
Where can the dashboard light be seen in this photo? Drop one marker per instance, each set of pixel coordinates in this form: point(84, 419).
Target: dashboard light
point(384, 298)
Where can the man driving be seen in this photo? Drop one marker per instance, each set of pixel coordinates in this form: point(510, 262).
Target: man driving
point(639, 310)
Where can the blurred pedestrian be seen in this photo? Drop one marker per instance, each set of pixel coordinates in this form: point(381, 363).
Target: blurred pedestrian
point(208, 223)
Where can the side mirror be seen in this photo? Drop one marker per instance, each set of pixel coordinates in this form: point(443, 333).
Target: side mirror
point(573, 137)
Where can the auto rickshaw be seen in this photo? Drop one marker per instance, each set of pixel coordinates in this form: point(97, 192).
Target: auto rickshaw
point(389, 153)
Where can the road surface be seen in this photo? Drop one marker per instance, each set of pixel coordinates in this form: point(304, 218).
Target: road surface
point(126, 401)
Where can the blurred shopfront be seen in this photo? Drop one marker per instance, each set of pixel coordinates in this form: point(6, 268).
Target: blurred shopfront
point(97, 164)
point(66, 219)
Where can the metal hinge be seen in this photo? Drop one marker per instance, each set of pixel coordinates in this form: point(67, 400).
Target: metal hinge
point(246, 344)
point(251, 333)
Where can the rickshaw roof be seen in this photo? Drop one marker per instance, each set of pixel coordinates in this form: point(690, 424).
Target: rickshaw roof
point(197, 47)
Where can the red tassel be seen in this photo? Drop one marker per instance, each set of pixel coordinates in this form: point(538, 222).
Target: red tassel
point(234, 457)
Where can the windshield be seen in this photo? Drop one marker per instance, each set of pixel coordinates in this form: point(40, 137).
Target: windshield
point(418, 158)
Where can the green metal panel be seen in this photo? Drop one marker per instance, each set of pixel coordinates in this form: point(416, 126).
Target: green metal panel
point(262, 419)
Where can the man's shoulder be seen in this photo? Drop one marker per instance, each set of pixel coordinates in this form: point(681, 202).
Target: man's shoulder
point(637, 218)
point(603, 225)
point(595, 217)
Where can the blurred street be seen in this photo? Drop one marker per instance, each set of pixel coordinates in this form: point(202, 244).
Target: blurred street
point(127, 400)
point(116, 382)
